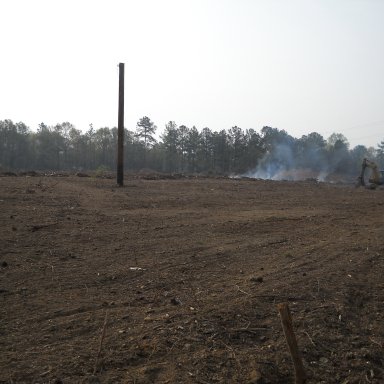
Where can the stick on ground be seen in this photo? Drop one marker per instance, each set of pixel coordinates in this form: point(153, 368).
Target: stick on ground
point(286, 322)
point(101, 343)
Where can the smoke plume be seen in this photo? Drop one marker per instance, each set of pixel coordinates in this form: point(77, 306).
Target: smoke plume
point(287, 161)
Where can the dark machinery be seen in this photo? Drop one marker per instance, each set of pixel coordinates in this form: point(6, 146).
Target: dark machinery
point(375, 179)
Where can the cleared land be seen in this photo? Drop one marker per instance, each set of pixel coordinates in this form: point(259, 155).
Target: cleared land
point(189, 272)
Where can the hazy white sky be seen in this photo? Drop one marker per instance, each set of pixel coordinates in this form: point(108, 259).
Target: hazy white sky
point(298, 65)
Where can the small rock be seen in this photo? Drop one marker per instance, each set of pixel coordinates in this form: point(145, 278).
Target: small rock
point(257, 279)
point(80, 174)
point(255, 377)
point(175, 301)
point(4, 264)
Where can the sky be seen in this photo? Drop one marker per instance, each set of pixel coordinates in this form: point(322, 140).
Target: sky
point(299, 65)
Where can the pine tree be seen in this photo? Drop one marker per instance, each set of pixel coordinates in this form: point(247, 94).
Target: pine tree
point(145, 130)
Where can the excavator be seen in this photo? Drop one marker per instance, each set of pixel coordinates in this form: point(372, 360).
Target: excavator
point(376, 178)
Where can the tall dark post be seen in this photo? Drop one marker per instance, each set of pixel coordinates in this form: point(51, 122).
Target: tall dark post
point(120, 129)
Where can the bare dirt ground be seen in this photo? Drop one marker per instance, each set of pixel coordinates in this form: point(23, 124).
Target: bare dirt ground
point(187, 274)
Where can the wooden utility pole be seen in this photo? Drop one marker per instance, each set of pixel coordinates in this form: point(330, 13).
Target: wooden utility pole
point(120, 129)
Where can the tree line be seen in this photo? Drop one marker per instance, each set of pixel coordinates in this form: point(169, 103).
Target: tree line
point(180, 149)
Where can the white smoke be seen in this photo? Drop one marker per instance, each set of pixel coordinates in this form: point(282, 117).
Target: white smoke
point(281, 164)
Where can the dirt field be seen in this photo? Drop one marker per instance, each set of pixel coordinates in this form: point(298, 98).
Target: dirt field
point(187, 274)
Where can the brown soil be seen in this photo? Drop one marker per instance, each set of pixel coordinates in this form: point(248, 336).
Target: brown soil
point(188, 273)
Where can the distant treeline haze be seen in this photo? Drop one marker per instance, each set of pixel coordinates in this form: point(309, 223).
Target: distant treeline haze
point(180, 149)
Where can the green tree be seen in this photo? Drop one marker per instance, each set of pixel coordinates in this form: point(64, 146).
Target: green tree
point(182, 145)
point(90, 140)
point(238, 149)
point(380, 154)
point(129, 150)
point(145, 131)
point(254, 149)
point(14, 145)
point(310, 152)
point(339, 158)
point(273, 137)
point(279, 148)
point(221, 152)
point(105, 147)
point(170, 139)
point(192, 149)
point(46, 148)
point(62, 141)
point(205, 158)
point(337, 139)
point(359, 152)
